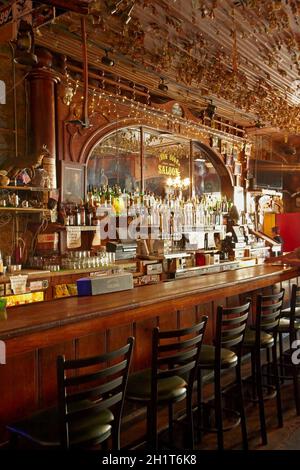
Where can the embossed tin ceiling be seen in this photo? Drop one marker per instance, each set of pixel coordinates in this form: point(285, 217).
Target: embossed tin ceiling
point(244, 55)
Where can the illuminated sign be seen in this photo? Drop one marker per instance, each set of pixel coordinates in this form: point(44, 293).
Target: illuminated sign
point(169, 165)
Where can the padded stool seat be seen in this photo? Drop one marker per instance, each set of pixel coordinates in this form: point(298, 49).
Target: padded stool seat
point(169, 388)
point(82, 417)
point(207, 357)
point(43, 427)
point(284, 325)
point(175, 353)
point(266, 340)
point(287, 311)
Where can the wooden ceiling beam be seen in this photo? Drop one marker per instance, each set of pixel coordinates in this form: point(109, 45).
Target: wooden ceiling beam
point(76, 6)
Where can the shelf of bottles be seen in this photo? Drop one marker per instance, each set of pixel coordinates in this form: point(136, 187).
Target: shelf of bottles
point(171, 215)
point(24, 199)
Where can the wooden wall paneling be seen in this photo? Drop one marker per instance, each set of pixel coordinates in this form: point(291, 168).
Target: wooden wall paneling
point(170, 321)
point(117, 337)
point(233, 301)
point(91, 345)
point(243, 298)
point(18, 389)
point(47, 383)
point(143, 346)
point(207, 310)
point(188, 317)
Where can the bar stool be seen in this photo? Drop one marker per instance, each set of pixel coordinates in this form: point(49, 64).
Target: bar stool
point(263, 336)
point(175, 354)
point(226, 354)
point(90, 403)
point(290, 324)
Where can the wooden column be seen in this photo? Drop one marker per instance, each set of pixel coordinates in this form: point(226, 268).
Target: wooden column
point(42, 81)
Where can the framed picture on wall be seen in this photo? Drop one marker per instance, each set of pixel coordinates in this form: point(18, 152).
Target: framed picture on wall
point(72, 182)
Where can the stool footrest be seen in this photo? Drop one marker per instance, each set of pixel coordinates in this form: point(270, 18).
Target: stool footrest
point(269, 396)
point(236, 420)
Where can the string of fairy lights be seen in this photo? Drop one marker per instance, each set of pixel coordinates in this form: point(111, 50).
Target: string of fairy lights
point(109, 105)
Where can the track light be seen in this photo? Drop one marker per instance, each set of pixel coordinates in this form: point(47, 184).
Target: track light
point(107, 60)
point(162, 85)
point(210, 110)
point(24, 54)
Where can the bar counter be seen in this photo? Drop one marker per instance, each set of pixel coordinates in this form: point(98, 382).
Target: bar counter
point(28, 319)
point(82, 326)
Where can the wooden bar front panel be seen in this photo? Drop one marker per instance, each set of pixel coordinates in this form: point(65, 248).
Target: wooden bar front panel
point(36, 335)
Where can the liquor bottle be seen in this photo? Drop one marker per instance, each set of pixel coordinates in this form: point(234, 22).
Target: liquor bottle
point(108, 195)
point(71, 216)
point(1, 264)
point(77, 216)
point(88, 215)
point(82, 215)
point(94, 217)
point(89, 196)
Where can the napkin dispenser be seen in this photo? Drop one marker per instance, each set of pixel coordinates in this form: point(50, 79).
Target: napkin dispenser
point(104, 284)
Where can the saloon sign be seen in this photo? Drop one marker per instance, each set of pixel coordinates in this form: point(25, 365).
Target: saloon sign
point(169, 165)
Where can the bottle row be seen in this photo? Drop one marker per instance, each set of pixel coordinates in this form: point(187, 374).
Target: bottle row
point(122, 200)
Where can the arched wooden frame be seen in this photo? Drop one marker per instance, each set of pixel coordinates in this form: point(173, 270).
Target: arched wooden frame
point(226, 177)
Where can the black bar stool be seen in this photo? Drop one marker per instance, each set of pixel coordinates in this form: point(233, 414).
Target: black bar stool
point(90, 403)
point(175, 354)
point(290, 324)
point(226, 354)
point(263, 336)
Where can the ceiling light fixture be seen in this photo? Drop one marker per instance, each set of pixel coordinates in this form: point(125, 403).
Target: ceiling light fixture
point(210, 110)
point(162, 85)
point(106, 60)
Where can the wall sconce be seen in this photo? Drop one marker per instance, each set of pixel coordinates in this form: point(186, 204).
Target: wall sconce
point(24, 54)
point(69, 94)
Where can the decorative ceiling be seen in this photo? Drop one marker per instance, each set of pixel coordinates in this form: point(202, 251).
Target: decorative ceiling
point(243, 55)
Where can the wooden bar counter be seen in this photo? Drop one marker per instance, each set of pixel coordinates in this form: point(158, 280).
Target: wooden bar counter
point(81, 326)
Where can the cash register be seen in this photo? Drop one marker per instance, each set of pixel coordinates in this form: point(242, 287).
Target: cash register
point(124, 249)
point(239, 241)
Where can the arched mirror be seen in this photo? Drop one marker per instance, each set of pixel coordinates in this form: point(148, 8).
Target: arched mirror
point(116, 160)
point(152, 161)
point(166, 162)
point(206, 179)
